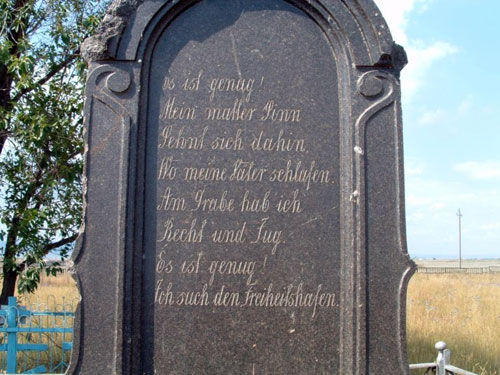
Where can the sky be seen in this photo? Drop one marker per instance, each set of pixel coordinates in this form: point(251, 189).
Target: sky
point(451, 122)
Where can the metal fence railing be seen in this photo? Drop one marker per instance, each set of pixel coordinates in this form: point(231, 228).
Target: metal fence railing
point(468, 270)
point(35, 341)
point(442, 366)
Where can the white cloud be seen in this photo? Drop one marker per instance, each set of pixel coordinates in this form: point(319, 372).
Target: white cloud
point(491, 226)
point(433, 198)
point(432, 117)
point(448, 118)
point(414, 167)
point(420, 56)
point(431, 208)
point(396, 14)
point(480, 170)
point(465, 106)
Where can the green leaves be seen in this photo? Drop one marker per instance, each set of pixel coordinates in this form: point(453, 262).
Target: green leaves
point(28, 282)
point(41, 99)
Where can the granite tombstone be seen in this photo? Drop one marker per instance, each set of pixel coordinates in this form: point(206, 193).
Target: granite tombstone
point(244, 195)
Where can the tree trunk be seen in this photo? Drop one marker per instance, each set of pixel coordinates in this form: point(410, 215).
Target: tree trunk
point(16, 32)
point(9, 267)
point(8, 285)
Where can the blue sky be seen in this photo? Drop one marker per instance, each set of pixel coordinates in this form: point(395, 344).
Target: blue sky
point(451, 119)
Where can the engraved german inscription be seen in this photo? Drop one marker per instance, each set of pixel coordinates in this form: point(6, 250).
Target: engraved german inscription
point(246, 188)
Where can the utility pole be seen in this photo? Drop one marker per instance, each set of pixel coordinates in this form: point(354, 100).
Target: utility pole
point(459, 214)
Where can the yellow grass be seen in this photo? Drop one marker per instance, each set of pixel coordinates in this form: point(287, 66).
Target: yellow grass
point(53, 294)
point(462, 310)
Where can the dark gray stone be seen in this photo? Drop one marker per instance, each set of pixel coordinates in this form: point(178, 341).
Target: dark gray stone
point(244, 194)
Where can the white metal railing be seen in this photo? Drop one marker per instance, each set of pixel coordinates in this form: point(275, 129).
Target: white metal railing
point(442, 365)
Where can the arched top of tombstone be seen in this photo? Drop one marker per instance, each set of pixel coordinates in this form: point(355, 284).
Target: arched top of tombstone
point(357, 24)
point(244, 202)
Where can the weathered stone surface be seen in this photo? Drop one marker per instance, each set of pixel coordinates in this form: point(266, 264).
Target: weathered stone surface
point(244, 196)
point(102, 45)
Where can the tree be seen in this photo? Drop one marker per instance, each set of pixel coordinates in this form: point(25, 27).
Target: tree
point(41, 102)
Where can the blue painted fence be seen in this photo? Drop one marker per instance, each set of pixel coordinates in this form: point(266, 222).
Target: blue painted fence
point(34, 342)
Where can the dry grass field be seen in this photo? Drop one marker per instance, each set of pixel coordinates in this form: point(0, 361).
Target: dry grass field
point(461, 309)
point(53, 294)
point(57, 294)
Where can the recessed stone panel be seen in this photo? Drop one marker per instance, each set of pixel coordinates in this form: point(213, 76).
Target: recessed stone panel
point(248, 157)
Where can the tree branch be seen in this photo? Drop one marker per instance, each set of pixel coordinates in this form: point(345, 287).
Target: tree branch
point(49, 247)
point(54, 245)
point(55, 69)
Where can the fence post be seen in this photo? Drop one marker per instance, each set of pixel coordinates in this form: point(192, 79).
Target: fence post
point(443, 358)
point(12, 336)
